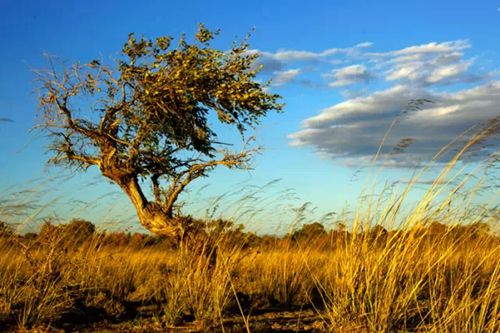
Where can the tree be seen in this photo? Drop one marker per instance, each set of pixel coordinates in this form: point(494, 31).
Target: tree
point(146, 122)
point(78, 231)
point(6, 230)
point(71, 234)
point(310, 231)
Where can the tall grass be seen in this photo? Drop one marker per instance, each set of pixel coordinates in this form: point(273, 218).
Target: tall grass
point(397, 266)
point(406, 281)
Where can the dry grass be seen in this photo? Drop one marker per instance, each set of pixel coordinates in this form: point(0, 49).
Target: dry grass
point(412, 275)
point(399, 281)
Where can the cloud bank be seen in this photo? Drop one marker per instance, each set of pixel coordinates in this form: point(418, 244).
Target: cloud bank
point(459, 95)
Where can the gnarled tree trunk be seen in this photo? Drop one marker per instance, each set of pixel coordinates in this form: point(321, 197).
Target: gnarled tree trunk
point(157, 218)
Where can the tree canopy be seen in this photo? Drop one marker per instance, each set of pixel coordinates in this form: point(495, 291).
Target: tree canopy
point(145, 120)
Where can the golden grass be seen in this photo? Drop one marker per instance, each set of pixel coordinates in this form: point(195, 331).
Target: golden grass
point(409, 281)
point(414, 276)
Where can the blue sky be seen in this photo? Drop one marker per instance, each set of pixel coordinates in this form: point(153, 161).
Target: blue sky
point(344, 69)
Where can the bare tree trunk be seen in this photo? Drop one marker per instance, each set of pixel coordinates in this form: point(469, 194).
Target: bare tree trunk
point(160, 220)
point(152, 216)
point(157, 221)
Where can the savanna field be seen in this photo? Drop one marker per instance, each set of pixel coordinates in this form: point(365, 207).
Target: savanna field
point(380, 270)
point(432, 279)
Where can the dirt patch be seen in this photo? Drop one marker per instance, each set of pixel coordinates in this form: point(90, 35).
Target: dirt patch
point(270, 320)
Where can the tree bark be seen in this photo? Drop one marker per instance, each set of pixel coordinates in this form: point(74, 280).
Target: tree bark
point(152, 216)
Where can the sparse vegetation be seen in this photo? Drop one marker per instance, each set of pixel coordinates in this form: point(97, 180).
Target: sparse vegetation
point(366, 274)
point(435, 278)
point(391, 266)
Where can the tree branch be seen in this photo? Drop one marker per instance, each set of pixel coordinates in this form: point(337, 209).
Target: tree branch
point(195, 171)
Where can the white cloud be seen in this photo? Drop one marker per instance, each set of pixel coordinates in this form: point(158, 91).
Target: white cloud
point(434, 47)
point(464, 94)
point(294, 55)
point(410, 71)
point(364, 45)
point(282, 77)
point(446, 72)
point(349, 75)
point(352, 130)
point(273, 61)
point(427, 64)
point(301, 55)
